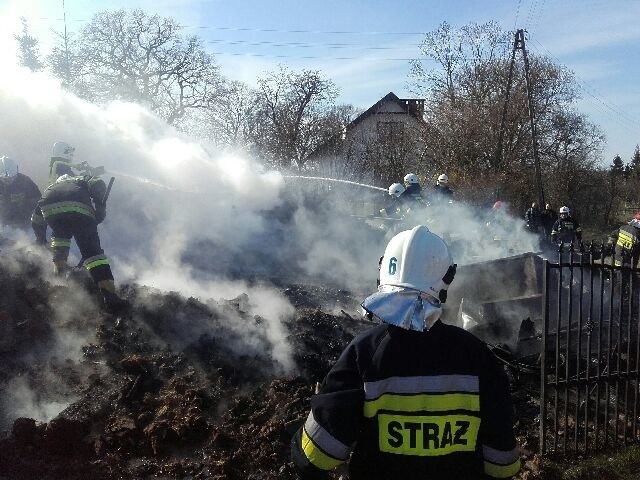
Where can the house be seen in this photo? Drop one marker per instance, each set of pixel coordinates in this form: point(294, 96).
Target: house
point(381, 144)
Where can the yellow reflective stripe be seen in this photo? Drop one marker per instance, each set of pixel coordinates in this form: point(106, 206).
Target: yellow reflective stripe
point(60, 243)
point(316, 456)
point(423, 402)
point(55, 211)
point(96, 263)
point(427, 436)
point(625, 240)
point(501, 471)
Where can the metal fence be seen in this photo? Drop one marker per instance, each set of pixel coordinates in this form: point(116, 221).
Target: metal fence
point(590, 354)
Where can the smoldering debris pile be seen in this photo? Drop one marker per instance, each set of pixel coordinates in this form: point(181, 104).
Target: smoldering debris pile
point(176, 388)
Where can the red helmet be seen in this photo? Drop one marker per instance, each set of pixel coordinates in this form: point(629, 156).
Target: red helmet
point(637, 216)
point(497, 205)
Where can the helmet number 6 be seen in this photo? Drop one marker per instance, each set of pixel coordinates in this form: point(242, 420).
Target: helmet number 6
point(392, 265)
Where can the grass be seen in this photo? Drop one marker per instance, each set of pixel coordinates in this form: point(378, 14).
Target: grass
point(620, 465)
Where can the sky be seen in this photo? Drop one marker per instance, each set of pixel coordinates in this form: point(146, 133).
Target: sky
point(364, 46)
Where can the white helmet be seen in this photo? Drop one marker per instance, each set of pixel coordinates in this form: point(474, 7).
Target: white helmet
point(62, 150)
point(565, 210)
point(8, 167)
point(415, 272)
point(443, 179)
point(417, 259)
point(410, 179)
point(396, 189)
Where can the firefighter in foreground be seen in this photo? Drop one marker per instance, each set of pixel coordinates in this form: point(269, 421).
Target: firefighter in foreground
point(18, 195)
point(627, 243)
point(73, 206)
point(566, 229)
point(411, 398)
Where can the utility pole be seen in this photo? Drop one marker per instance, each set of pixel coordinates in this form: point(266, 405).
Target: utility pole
point(519, 44)
point(67, 68)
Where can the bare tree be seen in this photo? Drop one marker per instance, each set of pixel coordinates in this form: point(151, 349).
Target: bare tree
point(129, 55)
point(465, 95)
point(294, 114)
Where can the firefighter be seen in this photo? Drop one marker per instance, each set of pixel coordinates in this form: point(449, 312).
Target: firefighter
point(61, 162)
point(566, 229)
point(73, 206)
point(394, 208)
point(411, 398)
point(532, 218)
point(441, 191)
point(627, 243)
point(18, 195)
point(548, 220)
point(413, 190)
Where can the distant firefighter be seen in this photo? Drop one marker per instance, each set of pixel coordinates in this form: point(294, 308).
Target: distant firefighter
point(532, 218)
point(61, 161)
point(627, 243)
point(18, 195)
point(441, 190)
point(548, 219)
point(566, 229)
point(393, 208)
point(413, 190)
point(73, 206)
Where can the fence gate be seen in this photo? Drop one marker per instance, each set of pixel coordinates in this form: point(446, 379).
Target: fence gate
point(590, 354)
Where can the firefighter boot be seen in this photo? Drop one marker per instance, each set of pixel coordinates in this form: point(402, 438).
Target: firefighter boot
point(60, 267)
point(111, 302)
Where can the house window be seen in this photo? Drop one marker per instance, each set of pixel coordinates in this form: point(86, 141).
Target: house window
point(389, 131)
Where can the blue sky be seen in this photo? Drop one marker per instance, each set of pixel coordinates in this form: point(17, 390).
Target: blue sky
point(363, 45)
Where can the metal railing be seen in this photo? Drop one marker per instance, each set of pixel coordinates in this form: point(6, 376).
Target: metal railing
point(590, 353)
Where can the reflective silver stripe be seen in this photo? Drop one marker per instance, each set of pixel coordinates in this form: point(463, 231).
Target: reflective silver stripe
point(325, 440)
point(430, 384)
point(500, 457)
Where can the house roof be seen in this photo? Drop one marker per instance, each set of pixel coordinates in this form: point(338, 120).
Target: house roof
point(389, 97)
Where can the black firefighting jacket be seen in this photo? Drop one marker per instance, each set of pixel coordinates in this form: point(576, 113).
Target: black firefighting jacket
point(78, 195)
point(532, 218)
point(566, 230)
point(627, 246)
point(401, 404)
point(18, 198)
point(412, 195)
point(441, 193)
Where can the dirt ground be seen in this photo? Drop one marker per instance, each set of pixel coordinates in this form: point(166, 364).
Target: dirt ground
point(175, 388)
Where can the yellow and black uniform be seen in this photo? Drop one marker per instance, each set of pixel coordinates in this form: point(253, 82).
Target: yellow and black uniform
point(403, 404)
point(18, 197)
point(441, 193)
point(395, 208)
point(627, 244)
point(566, 230)
point(73, 207)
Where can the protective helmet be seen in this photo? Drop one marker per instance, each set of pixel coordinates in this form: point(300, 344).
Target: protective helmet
point(497, 205)
point(8, 167)
point(415, 273)
point(417, 259)
point(62, 150)
point(443, 179)
point(410, 179)
point(565, 210)
point(396, 189)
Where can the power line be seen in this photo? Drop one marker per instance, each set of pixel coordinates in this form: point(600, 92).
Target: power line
point(255, 43)
point(263, 30)
point(315, 57)
point(590, 90)
point(596, 101)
